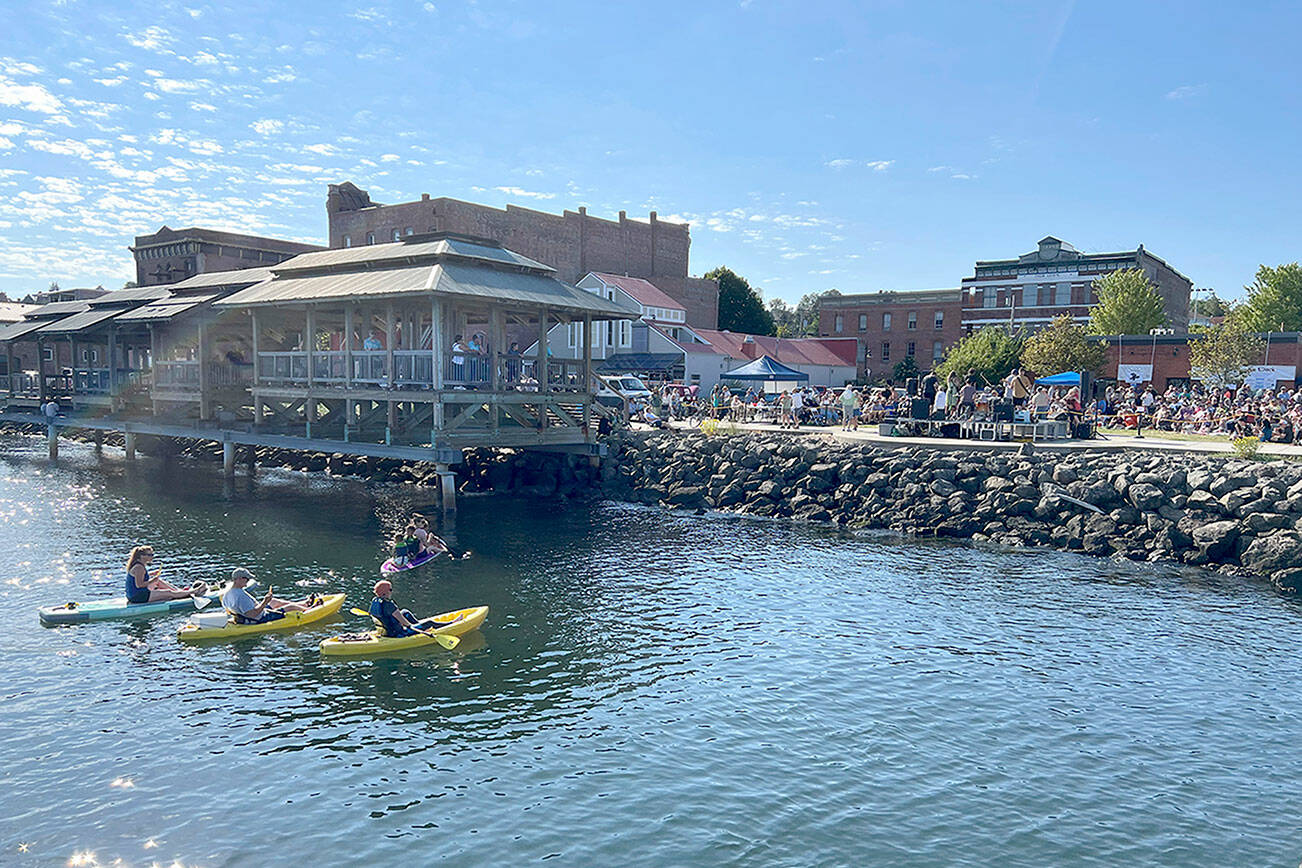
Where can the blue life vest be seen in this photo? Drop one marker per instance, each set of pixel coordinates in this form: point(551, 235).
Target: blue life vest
point(383, 612)
point(135, 594)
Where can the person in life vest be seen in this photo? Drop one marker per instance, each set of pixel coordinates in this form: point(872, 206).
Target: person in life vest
point(406, 547)
point(394, 620)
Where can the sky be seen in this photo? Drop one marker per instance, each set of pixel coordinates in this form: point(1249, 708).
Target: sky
point(811, 145)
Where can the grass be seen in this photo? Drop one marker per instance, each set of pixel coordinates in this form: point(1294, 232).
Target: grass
point(1155, 434)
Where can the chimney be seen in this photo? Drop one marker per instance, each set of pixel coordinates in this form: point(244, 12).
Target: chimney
point(749, 348)
point(622, 216)
point(424, 197)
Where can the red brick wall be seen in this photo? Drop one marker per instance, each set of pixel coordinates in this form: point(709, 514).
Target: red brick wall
point(874, 335)
point(573, 243)
point(1171, 359)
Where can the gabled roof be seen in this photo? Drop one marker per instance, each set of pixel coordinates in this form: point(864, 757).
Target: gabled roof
point(412, 249)
point(130, 296)
point(13, 311)
point(644, 291)
point(837, 352)
point(211, 279)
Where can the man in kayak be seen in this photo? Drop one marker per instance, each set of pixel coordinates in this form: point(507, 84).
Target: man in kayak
point(246, 610)
point(395, 621)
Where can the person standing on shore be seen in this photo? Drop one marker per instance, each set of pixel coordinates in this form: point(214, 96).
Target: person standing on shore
point(849, 409)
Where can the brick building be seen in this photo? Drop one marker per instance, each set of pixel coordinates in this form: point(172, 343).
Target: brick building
point(171, 255)
point(892, 325)
point(572, 242)
point(1056, 279)
point(1164, 359)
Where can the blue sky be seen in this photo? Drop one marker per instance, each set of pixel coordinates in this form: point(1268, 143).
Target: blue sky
point(862, 146)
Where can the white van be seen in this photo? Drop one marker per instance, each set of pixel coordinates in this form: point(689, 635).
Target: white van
point(616, 390)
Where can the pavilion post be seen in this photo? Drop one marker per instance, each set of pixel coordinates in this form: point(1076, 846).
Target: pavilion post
point(541, 374)
point(587, 373)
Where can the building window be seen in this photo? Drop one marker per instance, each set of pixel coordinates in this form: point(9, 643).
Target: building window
point(989, 298)
point(910, 348)
point(937, 351)
point(626, 333)
point(886, 351)
point(408, 231)
point(940, 320)
point(838, 323)
point(571, 333)
point(370, 237)
point(1031, 296)
point(348, 241)
point(863, 322)
point(396, 236)
point(913, 320)
point(48, 354)
point(1063, 296)
point(886, 322)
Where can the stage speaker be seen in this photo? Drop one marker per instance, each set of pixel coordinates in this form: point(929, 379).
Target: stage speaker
point(1003, 409)
point(911, 387)
point(1087, 384)
point(919, 408)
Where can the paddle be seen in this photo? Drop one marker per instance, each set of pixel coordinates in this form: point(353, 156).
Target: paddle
point(455, 554)
point(448, 642)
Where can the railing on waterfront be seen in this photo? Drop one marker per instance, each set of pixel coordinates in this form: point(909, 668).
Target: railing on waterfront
point(24, 383)
point(185, 374)
point(414, 369)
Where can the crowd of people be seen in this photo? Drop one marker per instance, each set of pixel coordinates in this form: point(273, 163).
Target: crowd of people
point(1271, 414)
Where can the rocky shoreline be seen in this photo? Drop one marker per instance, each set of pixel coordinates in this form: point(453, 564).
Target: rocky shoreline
point(1235, 515)
point(1239, 516)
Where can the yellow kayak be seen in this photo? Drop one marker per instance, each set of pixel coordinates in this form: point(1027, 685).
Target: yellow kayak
point(448, 624)
point(204, 627)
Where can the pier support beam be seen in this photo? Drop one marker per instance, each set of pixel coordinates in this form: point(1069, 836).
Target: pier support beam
point(129, 444)
point(52, 435)
point(228, 458)
point(99, 442)
point(447, 488)
point(251, 458)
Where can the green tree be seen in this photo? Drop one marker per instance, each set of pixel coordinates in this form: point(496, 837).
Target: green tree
point(905, 368)
point(1128, 305)
point(1275, 299)
point(1062, 346)
point(784, 318)
point(1220, 356)
point(807, 311)
point(991, 352)
point(740, 307)
point(1209, 305)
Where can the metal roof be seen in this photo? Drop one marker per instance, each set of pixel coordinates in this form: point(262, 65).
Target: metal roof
point(237, 277)
point(459, 278)
point(627, 363)
point(320, 287)
point(127, 296)
point(80, 321)
point(165, 308)
point(14, 331)
point(419, 247)
point(58, 308)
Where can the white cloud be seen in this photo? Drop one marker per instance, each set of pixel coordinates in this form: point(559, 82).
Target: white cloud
point(941, 169)
point(529, 194)
point(430, 7)
point(389, 158)
point(151, 39)
point(10, 66)
point(840, 163)
point(32, 97)
point(267, 127)
point(371, 15)
point(1186, 91)
point(202, 107)
point(5, 144)
point(322, 149)
point(111, 82)
point(176, 85)
point(880, 165)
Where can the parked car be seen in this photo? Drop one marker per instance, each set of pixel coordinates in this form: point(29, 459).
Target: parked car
point(618, 390)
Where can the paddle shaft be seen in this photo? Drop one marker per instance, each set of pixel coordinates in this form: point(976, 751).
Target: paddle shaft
point(448, 642)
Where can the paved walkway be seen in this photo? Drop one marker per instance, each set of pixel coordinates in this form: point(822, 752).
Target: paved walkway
point(1107, 441)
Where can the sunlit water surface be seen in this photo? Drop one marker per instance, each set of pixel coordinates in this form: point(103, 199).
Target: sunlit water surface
point(649, 689)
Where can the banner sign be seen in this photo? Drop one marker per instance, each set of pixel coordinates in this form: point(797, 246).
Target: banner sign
point(1269, 376)
point(1134, 374)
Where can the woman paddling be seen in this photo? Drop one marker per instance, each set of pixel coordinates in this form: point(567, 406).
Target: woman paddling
point(141, 587)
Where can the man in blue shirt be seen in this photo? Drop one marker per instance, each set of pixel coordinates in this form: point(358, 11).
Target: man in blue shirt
point(395, 621)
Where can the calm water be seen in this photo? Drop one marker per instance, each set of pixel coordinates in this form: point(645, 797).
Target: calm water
point(648, 690)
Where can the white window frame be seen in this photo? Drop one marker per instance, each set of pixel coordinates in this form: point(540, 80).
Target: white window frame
point(838, 323)
point(939, 320)
point(863, 322)
point(937, 350)
point(886, 321)
point(913, 320)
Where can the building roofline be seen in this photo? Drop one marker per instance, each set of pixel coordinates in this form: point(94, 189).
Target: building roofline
point(888, 295)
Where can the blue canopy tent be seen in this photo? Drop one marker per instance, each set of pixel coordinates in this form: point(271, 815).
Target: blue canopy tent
point(1066, 378)
point(768, 370)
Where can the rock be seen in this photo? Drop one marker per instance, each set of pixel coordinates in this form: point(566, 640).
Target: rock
point(1145, 495)
point(1268, 555)
point(1207, 502)
point(1288, 580)
point(1265, 521)
point(1217, 538)
point(1223, 485)
point(1064, 475)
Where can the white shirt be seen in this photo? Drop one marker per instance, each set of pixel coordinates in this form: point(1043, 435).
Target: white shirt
point(797, 402)
point(239, 601)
